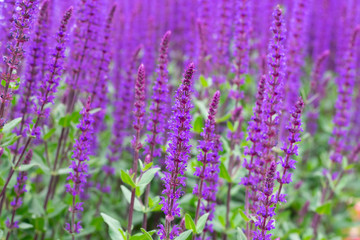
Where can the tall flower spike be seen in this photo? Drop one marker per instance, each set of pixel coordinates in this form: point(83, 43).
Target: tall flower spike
point(212, 180)
point(25, 9)
point(294, 60)
point(290, 149)
point(98, 81)
point(271, 113)
point(266, 210)
point(158, 111)
point(242, 47)
point(50, 83)
point(139, 113)
point(273, 86)
point(79, 168)
point(222, 54)
point(255, 128)
point(156, 125)
point(344, 101)
point(317, 92)
point(207, 151)
point(178, 155)
point(26, 105)
point(19, 189)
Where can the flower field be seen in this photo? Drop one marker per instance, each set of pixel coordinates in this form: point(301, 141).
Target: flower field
point(180, 119)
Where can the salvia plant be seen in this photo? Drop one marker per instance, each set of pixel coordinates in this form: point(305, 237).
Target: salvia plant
point(180, 120)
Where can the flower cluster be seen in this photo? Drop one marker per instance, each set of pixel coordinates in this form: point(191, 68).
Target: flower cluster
point(242, 47)
point(50, 83)
point(290, 148)
point(178, 155)
point(344, 101)
point(25, 10)
point(19, 189)
point(78, 176)
point(158, 108)
point(26, 105)
point(208, 156)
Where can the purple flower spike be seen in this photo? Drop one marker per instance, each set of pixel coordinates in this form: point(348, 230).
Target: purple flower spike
point(158, 108)
point(139, 113)
point(266, 210)
point(178, 155)
point(274, 86)
point(223, 42)
point(270, 127)
point(344, 101)
point(78, 176)
point(255, 128)
point(242, 47)
point(19, 189)
point(208, 172)
point(25, 10)
point(26, 105)
point(318, 87)
point(290, 149)
point(50, 83)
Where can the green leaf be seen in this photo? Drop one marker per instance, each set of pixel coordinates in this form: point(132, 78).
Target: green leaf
point(200, 225)
point(49, 133)
point(224, 118)
point(184, 235)
point(115, 231)
point(203, 81)
point(25, 225)
point(324, 209)
point(198, 124)
point(127, 194)
point(65, 121)
point(125, 177)
point(8, 127)
point(243, 215)
point(148, 176)
point(189, 223)
point(240, 234)
point(148, 236)
point(147, 166)
point(230, 126)
point(10, 140)
point(224, 173)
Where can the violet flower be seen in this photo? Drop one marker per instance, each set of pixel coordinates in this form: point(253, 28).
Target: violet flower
point(223, 41)
point(266, 209)
point(99, 78)
point(50, 83)
point(25, 9)
point(139, 113)
point(26, 104)
point(156, 123)
point(344, 102)
point(207, 156)
point(83, 42)
point(77, 178)
point(294, 60)
point(212, 185)
point(242, 48)
point(251, 181)
point(317, 92)
point(290, 148)
point(178, 156)
point(19, 189)
point(271, 114)
point(273, 87)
